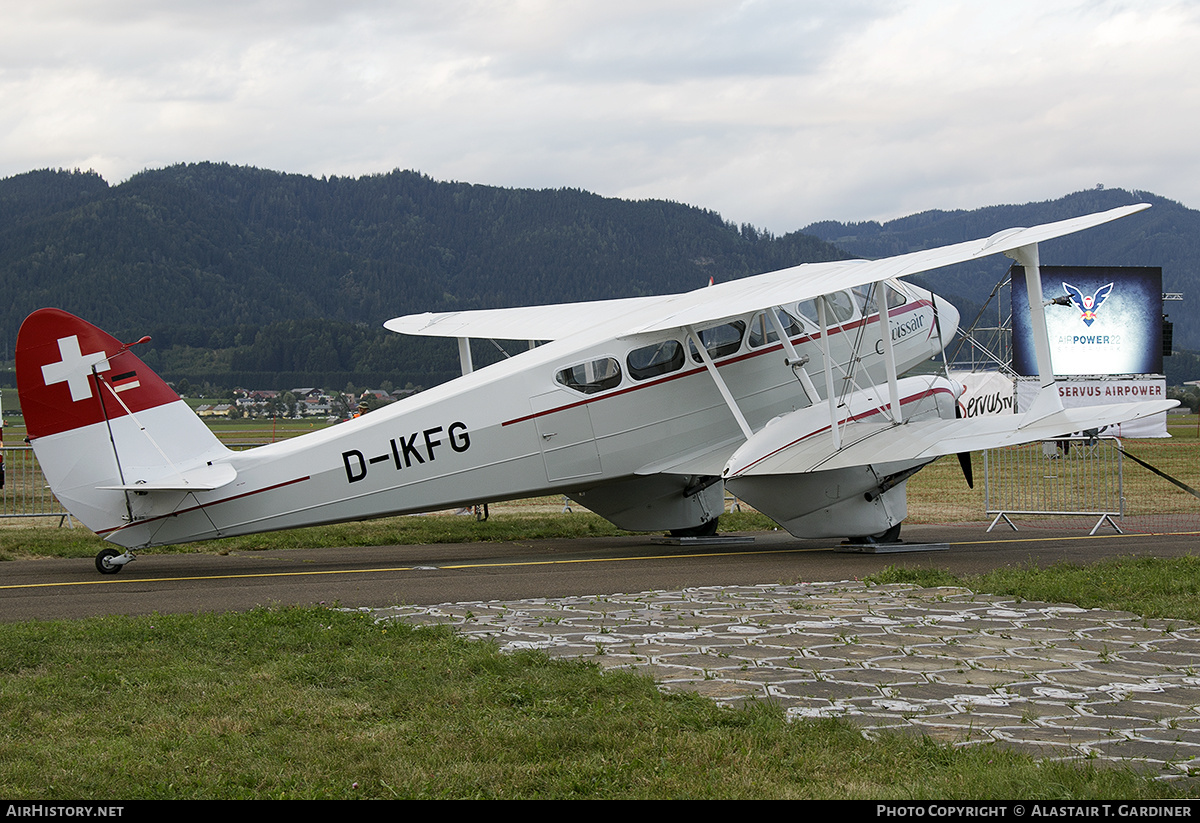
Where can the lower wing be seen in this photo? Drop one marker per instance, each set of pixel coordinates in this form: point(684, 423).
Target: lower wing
point(874, 443)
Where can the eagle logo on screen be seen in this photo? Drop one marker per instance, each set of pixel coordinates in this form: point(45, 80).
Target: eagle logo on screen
point(1088, 305)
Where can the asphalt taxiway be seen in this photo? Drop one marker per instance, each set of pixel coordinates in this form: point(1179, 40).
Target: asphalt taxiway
point(385, 576)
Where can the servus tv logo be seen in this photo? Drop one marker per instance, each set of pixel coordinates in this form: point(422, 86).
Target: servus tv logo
point(1088, 305)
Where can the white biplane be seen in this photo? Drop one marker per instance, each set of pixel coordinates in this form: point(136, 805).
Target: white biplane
point(785, 388)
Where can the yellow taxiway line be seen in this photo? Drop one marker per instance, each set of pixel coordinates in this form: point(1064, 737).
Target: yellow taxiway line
point(116, 580)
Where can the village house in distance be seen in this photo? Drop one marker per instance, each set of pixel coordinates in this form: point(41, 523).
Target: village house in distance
point(307, 402)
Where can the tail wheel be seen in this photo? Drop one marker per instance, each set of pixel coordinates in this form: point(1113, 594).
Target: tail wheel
point(104, 564)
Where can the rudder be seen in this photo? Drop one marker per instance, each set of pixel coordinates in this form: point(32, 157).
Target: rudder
point(100, 421)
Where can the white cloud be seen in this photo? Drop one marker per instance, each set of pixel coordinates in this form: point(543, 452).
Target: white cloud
point(775, 113)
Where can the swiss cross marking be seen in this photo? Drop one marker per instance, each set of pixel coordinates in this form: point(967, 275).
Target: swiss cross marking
point(74, 368)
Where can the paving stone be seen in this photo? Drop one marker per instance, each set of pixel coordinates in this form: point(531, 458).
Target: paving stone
point(976, 677)
point(1050, 679)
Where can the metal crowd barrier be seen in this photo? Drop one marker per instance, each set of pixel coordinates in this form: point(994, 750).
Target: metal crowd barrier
point(1067, 477)
point(25, 493)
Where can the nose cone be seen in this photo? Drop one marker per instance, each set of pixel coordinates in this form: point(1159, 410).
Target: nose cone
point(947, 317)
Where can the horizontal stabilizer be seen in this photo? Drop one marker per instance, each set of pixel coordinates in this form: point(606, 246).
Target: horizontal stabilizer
point(869, 443)
point(205, 478)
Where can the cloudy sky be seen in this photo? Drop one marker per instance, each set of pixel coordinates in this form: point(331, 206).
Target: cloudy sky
point(770, 112)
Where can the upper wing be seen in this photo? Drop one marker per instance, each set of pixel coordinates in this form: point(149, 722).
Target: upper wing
point(814, 279)
point(521, 323)
point(650, 314)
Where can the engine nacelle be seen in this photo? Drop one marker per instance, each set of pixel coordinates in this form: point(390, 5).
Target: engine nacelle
point(778, 470)
point(659, 502)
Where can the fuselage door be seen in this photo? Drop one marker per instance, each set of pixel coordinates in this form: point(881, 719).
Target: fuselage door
point(566, 437)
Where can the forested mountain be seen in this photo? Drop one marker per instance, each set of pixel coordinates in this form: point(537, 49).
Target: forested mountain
point(254, 277)
point(212, 256)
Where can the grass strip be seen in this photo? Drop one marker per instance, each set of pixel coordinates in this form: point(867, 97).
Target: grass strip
point(320, 703)
point(1150, 587)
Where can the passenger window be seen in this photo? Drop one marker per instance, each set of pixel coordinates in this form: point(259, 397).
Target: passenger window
point(867, 298)
point(592, 376)
point(864, 296)
point(807, 309)
point(762, 330)
point(839, 307)
point(720, 340)
point(653, 360)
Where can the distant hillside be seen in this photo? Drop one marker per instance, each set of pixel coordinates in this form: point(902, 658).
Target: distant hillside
point(221, 245)
point(251, 277)
point(1166, 235)
point(208, 256)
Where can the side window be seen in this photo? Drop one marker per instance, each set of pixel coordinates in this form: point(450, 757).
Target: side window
point(592, 376)
point(839, 307)
point(762, 330)
point(865, 297)
point(868, 295)
point(655, 359)
point(807, 309)
point(720, 340)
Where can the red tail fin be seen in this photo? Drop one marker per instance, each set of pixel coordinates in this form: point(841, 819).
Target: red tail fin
point(116, 444)
point(70, 374)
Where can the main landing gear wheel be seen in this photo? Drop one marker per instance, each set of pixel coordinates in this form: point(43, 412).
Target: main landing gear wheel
point(892, 535)
point(708, 529)
point(104, 564)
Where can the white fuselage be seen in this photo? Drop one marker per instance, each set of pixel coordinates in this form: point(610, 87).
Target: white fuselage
point(626, 442)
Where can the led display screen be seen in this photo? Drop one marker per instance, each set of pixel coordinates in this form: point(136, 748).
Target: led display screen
point(1105, 320)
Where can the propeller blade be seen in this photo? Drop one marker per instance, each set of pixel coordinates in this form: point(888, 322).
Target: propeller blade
point(964, 460)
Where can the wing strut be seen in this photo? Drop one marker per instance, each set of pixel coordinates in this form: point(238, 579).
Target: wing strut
point(889, 356)
point(464, 355)
point(721, 387)
point(822, 318)
point(793, 358)
point(111, 438)
point(1047, 402)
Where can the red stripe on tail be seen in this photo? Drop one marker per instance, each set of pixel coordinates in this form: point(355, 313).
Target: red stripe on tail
point(60, 357)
